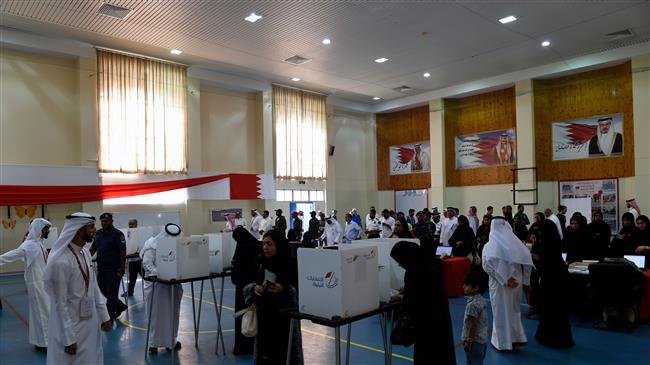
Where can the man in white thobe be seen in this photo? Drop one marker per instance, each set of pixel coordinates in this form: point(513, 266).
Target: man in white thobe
point(633, 208)
point(267, 223)
point(256, 223)
point(332, 233)
point(34, 254)
point(508, 264)
point(448, 226)
point(552, 217)
point(78, 308)
point(387, 223)
point(352, 230)
point(161, 333)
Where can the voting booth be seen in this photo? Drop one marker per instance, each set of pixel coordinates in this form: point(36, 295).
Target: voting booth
point(221, 247)
point(51, 239)
point(391, 275)
point(135, 238)
point(341, 282)
point(180, 258)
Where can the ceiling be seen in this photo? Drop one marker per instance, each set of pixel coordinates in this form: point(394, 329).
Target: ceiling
point(456, 42)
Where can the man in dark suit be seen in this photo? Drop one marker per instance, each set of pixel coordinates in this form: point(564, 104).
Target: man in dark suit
point(606, 141)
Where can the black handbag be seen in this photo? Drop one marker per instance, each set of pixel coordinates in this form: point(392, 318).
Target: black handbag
point(403, 331)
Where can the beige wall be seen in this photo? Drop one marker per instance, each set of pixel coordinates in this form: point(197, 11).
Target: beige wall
point(39, 114)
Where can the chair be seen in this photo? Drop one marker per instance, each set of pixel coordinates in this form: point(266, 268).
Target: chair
point(617, 286)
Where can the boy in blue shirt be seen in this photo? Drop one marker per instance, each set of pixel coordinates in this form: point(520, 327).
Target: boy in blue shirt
point(474, 333)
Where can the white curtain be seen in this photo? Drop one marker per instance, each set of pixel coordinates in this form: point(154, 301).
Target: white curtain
point(142, 114)
point(300, 134)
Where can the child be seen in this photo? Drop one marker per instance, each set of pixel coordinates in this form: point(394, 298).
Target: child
point(475, 322)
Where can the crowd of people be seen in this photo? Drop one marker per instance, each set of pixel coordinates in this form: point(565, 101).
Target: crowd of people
point(70, 303)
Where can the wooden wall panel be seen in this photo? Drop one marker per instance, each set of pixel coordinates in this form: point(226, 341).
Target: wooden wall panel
point(406, 126)
point(474, 114)
point(598, 92)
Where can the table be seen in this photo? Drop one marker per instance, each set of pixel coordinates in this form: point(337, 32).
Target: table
point(454, 270)
point(196, 320)
point(336, 323)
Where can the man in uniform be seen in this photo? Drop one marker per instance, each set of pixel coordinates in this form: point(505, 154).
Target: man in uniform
point(110, 246)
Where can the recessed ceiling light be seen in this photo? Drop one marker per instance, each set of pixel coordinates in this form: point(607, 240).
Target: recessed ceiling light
point(546, 44)
point(176, 51)
point(426, 74)
point(295, 79)
point(327, 41)
point(376, 98)
point(253, 18)
point(381, 60)
point(508, 19)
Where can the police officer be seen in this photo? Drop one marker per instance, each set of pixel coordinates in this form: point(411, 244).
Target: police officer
point(110, 246)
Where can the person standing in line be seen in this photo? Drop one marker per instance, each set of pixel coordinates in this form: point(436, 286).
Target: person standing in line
point(314, 225)
point(489, 210)
point(162, 311)
point(352, 230)
point(387, 223)
point(135, 263)
point(561, 215)
point(34, 254)
point(508, 263)
point(267, 223)
point(110, 246)
point(411, 219)
point(77, 306)
point(473, 219)
point(475, 326)
point(373, 224)
point(280, 222)
point(332, 234)
point(633, 207)
point(449, 224)
point(554, 329)
point(552, 217)
point(256, 223)
point(521, 215)
point(355, 216)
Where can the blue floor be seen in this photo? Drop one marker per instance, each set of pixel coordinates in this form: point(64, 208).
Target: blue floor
point(125, 344)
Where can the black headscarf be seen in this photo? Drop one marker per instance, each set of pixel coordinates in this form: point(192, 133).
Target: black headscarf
point(281, 264)
point(465, 234)
point(244, 261)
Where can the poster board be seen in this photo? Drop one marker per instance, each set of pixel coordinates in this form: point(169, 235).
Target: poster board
point(592, 137)
point(411, 199)
point(410, 158)
point(486, 149)
point(588, 196)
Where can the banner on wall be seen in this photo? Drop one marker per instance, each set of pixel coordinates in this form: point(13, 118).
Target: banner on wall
point(593, 137)
point(589, 196)
point(410, 158)
point(486, 149)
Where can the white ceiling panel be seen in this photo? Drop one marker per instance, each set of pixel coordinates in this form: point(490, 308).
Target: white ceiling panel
point(454, 41)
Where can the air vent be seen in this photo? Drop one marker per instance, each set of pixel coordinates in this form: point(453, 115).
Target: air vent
point(297, 60)
point(621, 34)
point(403, 89)
point(113, 11)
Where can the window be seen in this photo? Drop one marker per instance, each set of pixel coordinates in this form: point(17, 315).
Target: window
point(300, 134)
point(299, 195)
point(142, 114)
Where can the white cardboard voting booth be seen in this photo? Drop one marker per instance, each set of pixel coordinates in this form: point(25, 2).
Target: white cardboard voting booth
point(182, 257)
point(51, 238)
point(341, 282)
point(391, 275)
point(221, 248)
point(136, 237)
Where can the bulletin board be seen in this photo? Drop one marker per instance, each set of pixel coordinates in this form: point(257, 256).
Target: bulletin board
point(411, 199)
point(588, 196)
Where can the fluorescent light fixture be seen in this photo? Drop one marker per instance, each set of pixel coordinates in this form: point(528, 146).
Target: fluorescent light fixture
point(327, 41)
point(546, 44)
point(508, 19)
point(376, 98)
point(381, 60)
point(176, 51)
point(295, 79)
point(426, 74)
point(253, 18)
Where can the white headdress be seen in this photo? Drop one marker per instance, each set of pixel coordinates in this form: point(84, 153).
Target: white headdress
point(505, 249)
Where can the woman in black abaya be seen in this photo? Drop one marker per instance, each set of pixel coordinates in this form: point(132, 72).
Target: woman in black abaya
point(425, 300)
point(554, 329)
point(244, 271)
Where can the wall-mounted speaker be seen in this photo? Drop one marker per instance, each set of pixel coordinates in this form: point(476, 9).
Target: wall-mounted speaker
point(332, 150)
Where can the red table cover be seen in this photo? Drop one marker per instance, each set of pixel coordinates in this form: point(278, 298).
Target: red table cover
point(454, 270)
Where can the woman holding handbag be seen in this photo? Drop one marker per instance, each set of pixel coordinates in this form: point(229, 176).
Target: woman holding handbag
point(275, 288)
point(425, 303)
